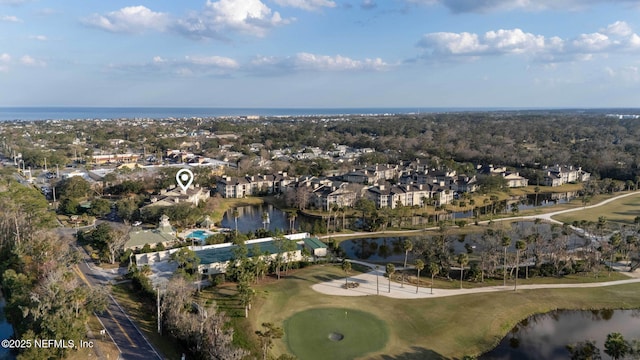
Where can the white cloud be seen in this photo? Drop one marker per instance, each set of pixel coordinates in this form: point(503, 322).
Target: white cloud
point(214, 21)
point(515, 41)
point(247, 16)
point(307, 4)
point(590, 43)
point(624, 74)
point(30, 61)
point(311, 62)
point(484, 6)
point(189, 65)
point(215, 61)
point(453, 43)
point(10, 18)
point(38, 37)
point(132, 19)
point(620, 28)
point(492, 42)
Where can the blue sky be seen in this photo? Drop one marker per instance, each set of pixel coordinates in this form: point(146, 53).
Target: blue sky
point(320, 53)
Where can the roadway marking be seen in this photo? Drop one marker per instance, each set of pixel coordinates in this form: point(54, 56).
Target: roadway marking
point(86, 281)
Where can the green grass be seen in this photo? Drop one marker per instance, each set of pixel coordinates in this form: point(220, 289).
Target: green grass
point(437, 328)
point(454, 282)
point(622, 211)
point(308, 333)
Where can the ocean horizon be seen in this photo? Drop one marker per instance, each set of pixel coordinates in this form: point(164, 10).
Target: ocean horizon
point(77, 113)
point(84, 113)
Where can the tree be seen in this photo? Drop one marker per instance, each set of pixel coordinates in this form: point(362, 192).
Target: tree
point(118, 237)
point(267, 336)
point(390, 270)
point(434, 269)
point(187, 261)
point(616, 346)
point(463, 259)
point(506, 242)
point(245, 292)
point(126, 208)
point(419, 266)
point(584, 350)
point(74, 187)
point(100, 207)
point(407, 245)
point(520, 245)
point(346, 267)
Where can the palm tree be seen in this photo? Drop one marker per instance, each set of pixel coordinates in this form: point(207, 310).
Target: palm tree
point(434, 269)
point(292, 219)
point(506, 242)
point(520, 245)
point(235, 217)
point(342, 211)
point(419, 267)
point(407, 246)
point(463, 259)
point(616, 346)
point(391, 269)
point(346, 266)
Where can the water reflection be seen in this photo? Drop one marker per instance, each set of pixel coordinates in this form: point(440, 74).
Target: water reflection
point(546, 336)
point(252, 217)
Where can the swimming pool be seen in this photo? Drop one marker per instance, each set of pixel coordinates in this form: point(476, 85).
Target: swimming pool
point(199, 234)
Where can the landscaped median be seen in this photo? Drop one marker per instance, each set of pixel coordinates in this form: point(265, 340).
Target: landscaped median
point(428, 328)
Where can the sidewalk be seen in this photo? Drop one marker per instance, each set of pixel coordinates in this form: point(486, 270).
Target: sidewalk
point(367, 286)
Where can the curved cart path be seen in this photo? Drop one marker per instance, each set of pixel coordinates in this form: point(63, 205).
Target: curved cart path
point(374, 283)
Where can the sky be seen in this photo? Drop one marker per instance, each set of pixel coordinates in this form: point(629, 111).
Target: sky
point(320, 53)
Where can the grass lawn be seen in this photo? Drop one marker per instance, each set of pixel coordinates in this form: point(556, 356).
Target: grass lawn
point(334, 333)
point(622, 211)
point(428, 328)
point(454, 283)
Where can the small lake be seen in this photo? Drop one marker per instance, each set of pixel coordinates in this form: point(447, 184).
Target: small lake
point(250, 218)
point(389, 249)
point(546, 336)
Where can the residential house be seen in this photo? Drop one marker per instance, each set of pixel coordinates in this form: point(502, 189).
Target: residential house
point(193, 195)
point(561, 174)
point(385, 196)
point(326, 196)
point(514, 180)
point(239, 187)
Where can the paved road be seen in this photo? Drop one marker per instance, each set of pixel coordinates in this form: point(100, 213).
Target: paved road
point(125, 334)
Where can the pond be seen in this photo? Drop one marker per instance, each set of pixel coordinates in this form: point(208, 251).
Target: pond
point(389, 249)
point(250, 218)
point(546, 336)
